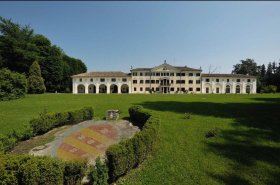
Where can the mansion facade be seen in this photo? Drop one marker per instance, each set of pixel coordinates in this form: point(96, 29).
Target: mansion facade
point(166, 79)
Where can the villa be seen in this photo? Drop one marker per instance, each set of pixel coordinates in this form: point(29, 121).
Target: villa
point(166, 79)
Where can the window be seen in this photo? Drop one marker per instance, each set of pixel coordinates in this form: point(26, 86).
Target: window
point(190, 81)
point(190, 89)
point(172, 89)
point(152, 81)
point(183, 89)
point(197, 74)
point(157, 81)
point(147, 74)
point(217, 80)
point(217, 90)
point(167, 74)
point(227, 80)
point(172, 81)
point(207, 89)
point(91, 80)
point(198, 89)
point(178, 81)
point(124, 79)
point(141, 74)
point(183, 81)
point(248, 89)
point(197, 81)
point(190, 74)
point(135, 88)
point(238, 80)
point(141, 88)
point(134, 74)
point(171, 74)
point(141, 81)
point(135, 81)
point(183, 74)
point(157, 89)
point(113, 80)
point(147, 81)
point(102, 79)
point(157, 74)
point(147, 89)
point(178, 74)
point(81, 80)
point(207, 80)
point(248, 80)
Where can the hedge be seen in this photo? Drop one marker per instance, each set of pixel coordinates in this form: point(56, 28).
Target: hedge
point(130, 153)
point(48, 121)
point(42, 124)
point(31, 170)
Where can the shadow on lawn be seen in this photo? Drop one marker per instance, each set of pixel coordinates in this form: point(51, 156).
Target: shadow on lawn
point(243, 146)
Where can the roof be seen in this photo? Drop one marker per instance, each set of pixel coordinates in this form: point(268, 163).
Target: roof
point(179, 68)
point(228, 75)
point(103, 74)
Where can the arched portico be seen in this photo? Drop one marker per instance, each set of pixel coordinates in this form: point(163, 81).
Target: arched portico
point(102, 88)
point(248, 89)
point(91, 88)
point(113, 88)
point(124, 88)
point(81, 88)
point(228, 89)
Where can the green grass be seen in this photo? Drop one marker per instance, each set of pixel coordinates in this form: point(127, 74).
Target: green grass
point(245, 151)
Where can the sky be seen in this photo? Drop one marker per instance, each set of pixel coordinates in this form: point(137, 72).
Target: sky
point(113, 36)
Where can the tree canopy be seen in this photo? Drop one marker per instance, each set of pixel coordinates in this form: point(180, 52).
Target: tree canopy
point(20, 47)
point(35, 81)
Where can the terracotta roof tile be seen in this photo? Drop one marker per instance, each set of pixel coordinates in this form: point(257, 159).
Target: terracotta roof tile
point(227, 75)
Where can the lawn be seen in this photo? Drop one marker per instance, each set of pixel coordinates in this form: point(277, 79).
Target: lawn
point(245, 151)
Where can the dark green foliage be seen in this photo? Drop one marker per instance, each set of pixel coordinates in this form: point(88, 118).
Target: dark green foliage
point(35, 81)
point(20, 47)
point(127, 154)
point(7, 142)
point(48, 121)
point(248, 66)
point(138, 117)
point(74, 171)
point(270, 89)
point(212, 133)
point(99, 173)
point(12, 85)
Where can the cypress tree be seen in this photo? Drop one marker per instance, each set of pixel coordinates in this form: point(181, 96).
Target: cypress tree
point(35, 81)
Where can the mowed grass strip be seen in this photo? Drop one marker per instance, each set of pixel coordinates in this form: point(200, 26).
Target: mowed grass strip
point(67, 155)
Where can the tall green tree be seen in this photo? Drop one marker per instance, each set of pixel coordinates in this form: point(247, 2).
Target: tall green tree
point(35, 81)
point(248, 66)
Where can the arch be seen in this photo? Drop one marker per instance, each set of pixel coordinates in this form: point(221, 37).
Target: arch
point(227, 89)
point(124, 88)
point(102, 88)
point(81, 88)
point(91, 88)
point(113, 88)
point(248, 89)
point(237, 90)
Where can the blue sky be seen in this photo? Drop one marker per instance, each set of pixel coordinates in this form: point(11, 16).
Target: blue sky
point(117, 35)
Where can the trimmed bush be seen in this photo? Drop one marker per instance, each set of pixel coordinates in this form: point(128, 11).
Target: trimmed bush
point(128, 154)
point(74, 171)
point(6, 143)
point(48, 121)
point(99, 173)
point(270, 89)
point(12, 85)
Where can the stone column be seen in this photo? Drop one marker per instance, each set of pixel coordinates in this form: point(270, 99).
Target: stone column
point(108, 88)
point(97, 88)
point(119, 88)
point(86, 88)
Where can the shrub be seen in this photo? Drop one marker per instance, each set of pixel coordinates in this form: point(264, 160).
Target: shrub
point(212, 133)
point(99, 173)
point(74, 171)
point(127, 154)
point(35, 81)
point(12, 85)
point(48, 121)
point(270, 89)
point(6, 143)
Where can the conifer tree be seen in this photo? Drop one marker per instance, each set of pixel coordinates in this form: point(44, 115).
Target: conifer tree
point(35, 81)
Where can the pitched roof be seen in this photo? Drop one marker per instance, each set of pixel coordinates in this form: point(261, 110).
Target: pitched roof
point(103, 74)
point(227, 75)
point(179, 68)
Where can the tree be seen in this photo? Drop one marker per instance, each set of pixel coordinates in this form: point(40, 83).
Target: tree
point(12, 85)
point(35, 81)
point(247, 67)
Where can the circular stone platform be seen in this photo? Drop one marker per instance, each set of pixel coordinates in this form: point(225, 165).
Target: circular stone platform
point(88, 139)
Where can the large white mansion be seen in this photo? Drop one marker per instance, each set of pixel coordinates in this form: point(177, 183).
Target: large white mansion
point(165, 79)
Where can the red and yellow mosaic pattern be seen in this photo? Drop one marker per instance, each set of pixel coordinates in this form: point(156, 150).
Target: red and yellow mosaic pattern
point(88, 142)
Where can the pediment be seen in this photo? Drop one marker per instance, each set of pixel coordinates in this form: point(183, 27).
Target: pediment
point(164, 67)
